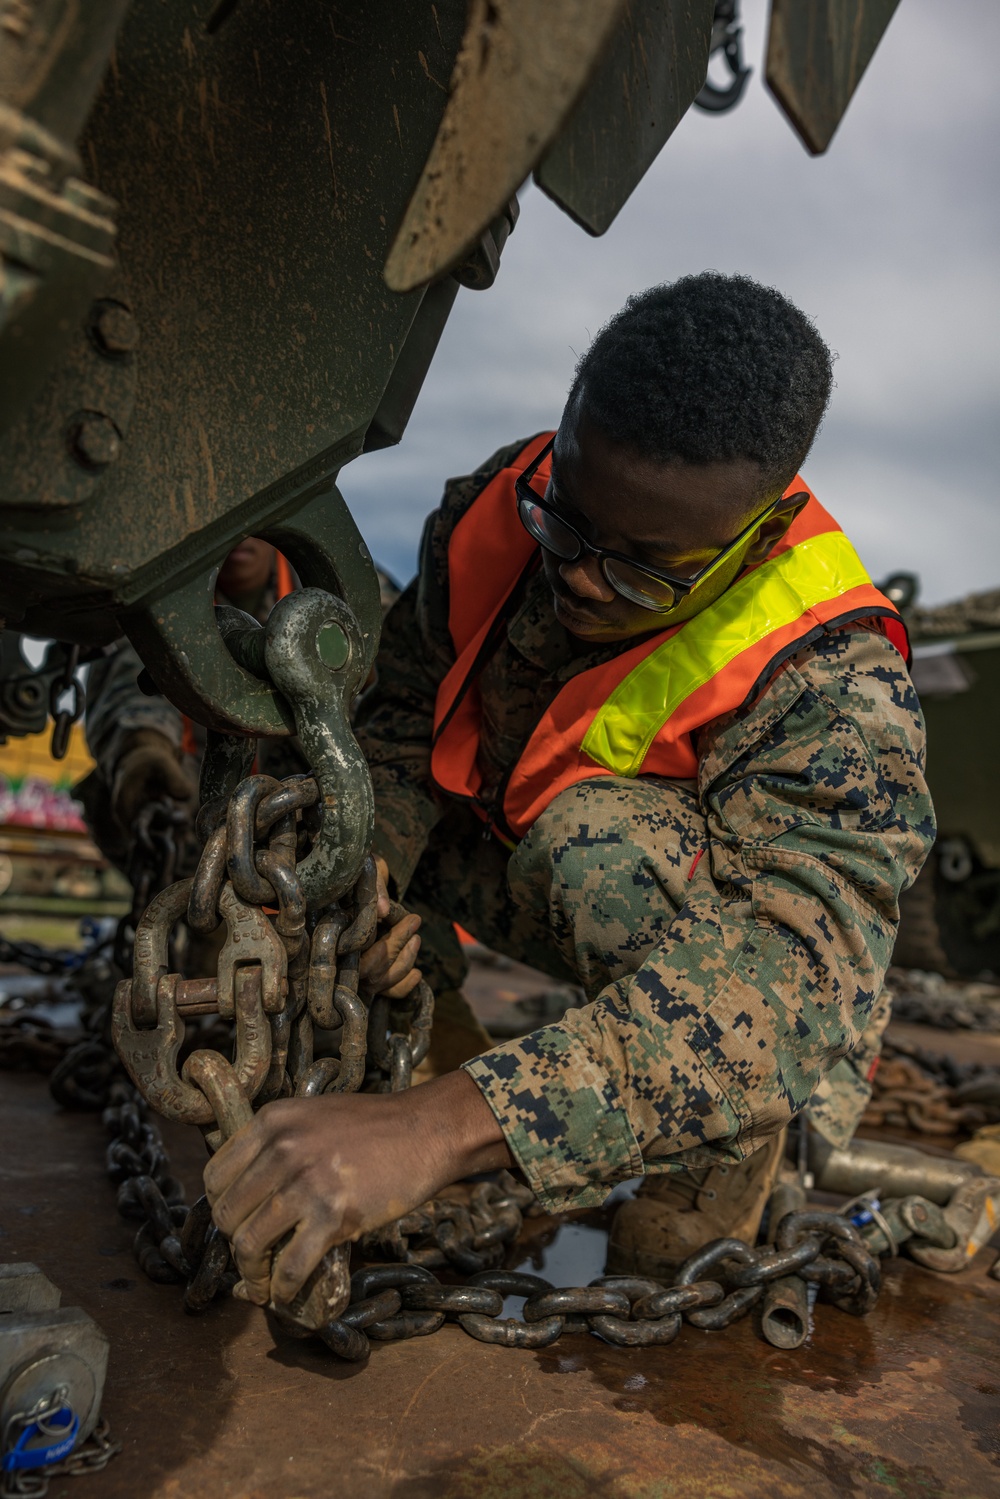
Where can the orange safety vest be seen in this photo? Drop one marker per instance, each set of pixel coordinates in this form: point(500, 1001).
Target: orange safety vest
point(284, 583)
point(639, 713)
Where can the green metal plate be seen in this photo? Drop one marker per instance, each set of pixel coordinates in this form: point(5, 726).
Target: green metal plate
point(816, 55)
point(260, 172)
point(645, 83)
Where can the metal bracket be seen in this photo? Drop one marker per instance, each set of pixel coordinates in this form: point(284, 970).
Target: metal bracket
point(44, 1346)
point(727, 42)
point(179, 638)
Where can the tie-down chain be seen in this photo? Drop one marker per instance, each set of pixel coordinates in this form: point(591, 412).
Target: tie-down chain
point(285, 977)
point(281, 977)
point(285, 867)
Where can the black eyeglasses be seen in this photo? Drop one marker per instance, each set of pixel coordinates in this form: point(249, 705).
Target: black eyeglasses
point(648, 587)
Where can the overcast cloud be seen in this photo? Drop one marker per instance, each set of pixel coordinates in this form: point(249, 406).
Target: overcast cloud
point(889, 242)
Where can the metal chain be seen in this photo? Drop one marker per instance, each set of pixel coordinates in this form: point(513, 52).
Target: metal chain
point(933, 1095)
point(90, 1457)
point(30, 1043)
point(392, 1302)
point(50, 962)
point(65, 718)
point(285, 977)
point(155, 844)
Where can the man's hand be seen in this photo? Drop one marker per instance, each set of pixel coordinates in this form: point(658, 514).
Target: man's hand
point(329, 1169)
point(387, 966)
point(148, 769)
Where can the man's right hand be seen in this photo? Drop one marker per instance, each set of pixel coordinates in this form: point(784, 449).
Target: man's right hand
point(148, 770)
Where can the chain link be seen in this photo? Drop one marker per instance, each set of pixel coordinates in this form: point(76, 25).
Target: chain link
point(65, 718)
point(285, 976)
point(30, 1043)
point(90, 1457)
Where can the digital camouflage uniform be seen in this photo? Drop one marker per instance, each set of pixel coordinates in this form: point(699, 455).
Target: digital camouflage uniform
point(731, 934)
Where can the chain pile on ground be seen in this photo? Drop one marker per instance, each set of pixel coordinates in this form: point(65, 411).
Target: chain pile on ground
point(933, 1095)
point(949, 1004)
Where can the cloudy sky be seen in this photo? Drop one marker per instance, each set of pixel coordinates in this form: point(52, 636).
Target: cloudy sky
point(889, 242)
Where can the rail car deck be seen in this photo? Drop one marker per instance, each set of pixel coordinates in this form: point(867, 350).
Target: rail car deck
point(904, 1402)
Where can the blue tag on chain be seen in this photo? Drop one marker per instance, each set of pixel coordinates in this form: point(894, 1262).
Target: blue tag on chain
point(22, 1456)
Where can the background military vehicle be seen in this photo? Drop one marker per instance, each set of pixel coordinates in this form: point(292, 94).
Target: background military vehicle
point(950, 920)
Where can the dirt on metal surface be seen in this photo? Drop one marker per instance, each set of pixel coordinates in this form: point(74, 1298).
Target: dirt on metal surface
point(903, 1402)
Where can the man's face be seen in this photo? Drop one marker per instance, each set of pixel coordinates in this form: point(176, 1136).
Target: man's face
point(247, 568)
point(673, 516)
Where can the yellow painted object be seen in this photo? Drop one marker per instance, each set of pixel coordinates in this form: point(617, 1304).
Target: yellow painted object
point(29, 758)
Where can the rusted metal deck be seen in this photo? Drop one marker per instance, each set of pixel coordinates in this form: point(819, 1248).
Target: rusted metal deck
point(904, 1402)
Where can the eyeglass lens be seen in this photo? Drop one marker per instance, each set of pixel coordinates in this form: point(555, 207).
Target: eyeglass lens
point(638, 586)
point(631, 582)
point(550, 531)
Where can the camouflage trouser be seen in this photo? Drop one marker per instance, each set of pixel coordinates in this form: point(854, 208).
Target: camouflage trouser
point(585, 896)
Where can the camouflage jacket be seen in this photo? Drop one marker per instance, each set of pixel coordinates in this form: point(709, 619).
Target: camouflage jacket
point(817, 815)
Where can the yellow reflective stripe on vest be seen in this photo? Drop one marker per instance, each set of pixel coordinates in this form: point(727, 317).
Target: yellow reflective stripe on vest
point(776, 594)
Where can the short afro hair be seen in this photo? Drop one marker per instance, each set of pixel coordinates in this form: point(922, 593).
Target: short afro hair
point(710, 369)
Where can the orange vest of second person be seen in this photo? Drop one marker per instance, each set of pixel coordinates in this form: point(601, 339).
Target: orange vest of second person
point(639, 713)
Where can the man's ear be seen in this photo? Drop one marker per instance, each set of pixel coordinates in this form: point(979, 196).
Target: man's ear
point(774, 527)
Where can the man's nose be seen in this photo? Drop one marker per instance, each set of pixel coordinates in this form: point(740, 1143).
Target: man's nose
point(585, 579)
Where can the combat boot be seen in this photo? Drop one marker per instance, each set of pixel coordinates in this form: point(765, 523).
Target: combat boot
point(673, 1215)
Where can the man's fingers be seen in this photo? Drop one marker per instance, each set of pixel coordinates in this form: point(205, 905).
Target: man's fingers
point(300, 1256)
point(250, 1167)
point(254, 1240)
point(232, 1159)
point(405, 986)
point(401, 965)
point(397, 938)
point(388, 959)
point(382, 885)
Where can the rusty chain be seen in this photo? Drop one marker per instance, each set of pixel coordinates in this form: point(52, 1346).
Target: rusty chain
point(392, 1302)
point(155, 848)
point(285, 976)
point(30, 1043)
point(932, 1095)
